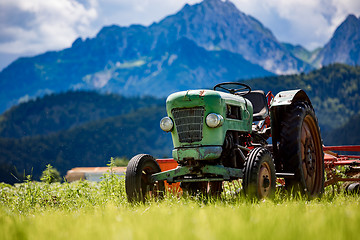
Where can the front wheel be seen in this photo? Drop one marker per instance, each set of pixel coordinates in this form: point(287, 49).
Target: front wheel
point(259, 174)
point(138, 184)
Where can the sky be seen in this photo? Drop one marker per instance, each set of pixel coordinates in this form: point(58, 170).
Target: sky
point(31, 27)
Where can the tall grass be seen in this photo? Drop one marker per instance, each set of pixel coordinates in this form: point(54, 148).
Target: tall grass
point(87, 210)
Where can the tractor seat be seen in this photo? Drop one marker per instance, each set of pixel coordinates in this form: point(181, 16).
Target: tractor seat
point(259, 102)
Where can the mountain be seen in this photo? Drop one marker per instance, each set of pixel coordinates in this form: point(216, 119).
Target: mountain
point(344, 46)
point(301, 52)
point(177, 67)
point(199, 46)
point(216, 24)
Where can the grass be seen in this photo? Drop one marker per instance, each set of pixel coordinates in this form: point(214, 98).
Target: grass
point(86, 210)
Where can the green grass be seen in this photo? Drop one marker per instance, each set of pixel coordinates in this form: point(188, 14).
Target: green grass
point(85, 210)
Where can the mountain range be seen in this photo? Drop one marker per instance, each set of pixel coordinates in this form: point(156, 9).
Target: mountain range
point(199, 46)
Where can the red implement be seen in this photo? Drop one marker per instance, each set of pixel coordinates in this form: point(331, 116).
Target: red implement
point(332, 160)
point(168, 164)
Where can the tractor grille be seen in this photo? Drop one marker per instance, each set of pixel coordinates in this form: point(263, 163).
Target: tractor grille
point(189, 123)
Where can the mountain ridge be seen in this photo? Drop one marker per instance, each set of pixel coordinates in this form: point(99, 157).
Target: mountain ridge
point(138, 60)
point(344, 46)
point(237, 32)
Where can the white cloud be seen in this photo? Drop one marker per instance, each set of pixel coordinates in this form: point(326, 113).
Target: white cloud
point(145, 12)
point(43, 25)
point(310, 23)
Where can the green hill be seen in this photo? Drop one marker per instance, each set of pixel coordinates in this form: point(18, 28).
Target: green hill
point(348, 134)
point(91, 144)
point(57, 112)
point(334, 91)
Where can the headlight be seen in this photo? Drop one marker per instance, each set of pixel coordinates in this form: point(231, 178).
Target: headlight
point(214, 120)
point(166, 124)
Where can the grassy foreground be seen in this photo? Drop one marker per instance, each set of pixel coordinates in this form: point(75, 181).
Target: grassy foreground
point(85, 210)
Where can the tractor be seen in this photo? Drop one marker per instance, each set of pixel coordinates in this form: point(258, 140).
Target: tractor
point(233, 132)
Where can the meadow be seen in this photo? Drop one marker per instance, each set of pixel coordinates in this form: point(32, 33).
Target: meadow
point(88, 210)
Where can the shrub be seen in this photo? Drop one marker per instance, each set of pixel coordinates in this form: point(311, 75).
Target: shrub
point(50, 175)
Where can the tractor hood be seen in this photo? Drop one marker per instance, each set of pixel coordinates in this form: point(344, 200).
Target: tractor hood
point(189, 109)
point(192, 98)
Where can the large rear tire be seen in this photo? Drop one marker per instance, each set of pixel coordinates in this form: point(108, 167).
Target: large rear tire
point(259, 174)
point(138, 179)
point(301, 150)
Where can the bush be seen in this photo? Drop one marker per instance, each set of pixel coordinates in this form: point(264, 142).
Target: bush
point(50, 175)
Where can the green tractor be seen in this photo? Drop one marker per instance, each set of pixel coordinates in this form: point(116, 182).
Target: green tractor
point(231, 133)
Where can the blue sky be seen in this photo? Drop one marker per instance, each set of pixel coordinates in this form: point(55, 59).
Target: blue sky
point(31, 27)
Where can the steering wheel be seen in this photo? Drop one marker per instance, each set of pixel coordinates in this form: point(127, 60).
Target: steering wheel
point(232, 88)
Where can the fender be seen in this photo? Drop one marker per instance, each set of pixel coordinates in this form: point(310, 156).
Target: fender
point(279, 106)
point(288, 97)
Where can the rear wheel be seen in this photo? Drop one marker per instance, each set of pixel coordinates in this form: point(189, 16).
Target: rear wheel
point(301, 150)
point(259, 174)
point(138, 184)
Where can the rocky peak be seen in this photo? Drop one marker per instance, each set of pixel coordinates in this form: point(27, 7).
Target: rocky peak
point(344, 46)
point(219, 25)
point(350, 26)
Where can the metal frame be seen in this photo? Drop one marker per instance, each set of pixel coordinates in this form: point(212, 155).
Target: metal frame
point(333, 160)
point(189, 173)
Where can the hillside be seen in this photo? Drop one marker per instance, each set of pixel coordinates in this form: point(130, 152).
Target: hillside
point(91, 144)
point(302, 53)
point(333, 90)
point(56, 112)
point(348, 134)
point(184, 64)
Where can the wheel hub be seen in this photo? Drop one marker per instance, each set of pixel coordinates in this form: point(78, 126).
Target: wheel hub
point(309, 158)
point(264, 180)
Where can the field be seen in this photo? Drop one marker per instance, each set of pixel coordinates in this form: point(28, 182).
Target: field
point(86, 210)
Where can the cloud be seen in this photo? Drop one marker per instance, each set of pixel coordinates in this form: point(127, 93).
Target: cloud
point(145, 12)
point(310, 23)
point(37, 25)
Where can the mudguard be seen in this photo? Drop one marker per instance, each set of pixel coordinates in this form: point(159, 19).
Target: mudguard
point(279, 105)
point(288, 97)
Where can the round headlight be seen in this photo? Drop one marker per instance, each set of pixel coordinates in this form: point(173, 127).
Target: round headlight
point(166, 124)
point(214, 120)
